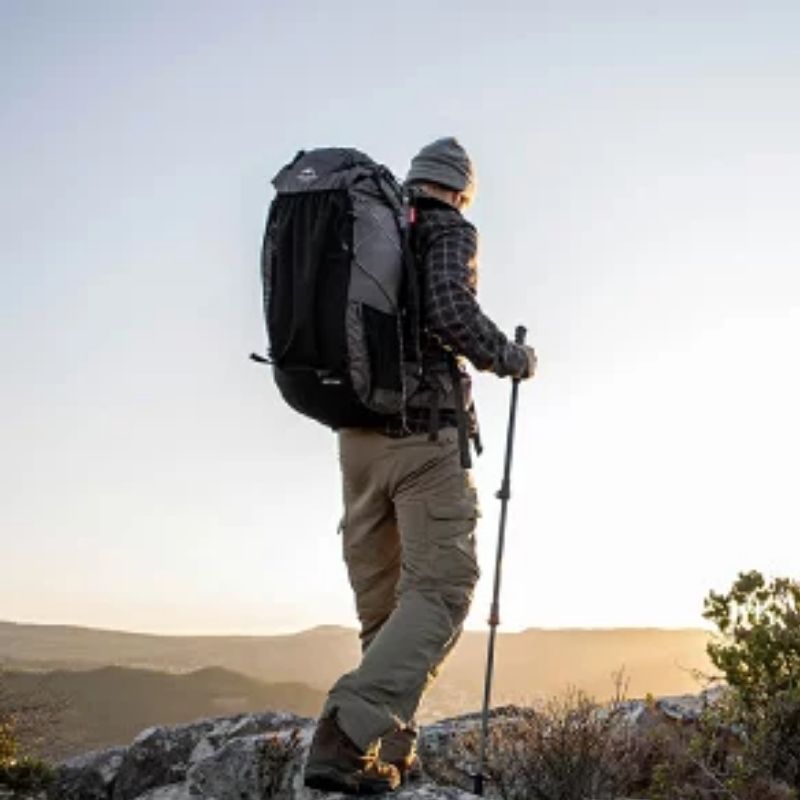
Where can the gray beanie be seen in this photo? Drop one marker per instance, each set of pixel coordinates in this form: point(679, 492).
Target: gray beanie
point(444, 162)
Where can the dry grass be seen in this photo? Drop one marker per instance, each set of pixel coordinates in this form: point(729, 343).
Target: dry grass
point(573, 748)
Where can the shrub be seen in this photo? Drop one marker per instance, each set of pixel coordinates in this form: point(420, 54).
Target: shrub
point(18, 772)
point(26, 775)
point(757, 649)
point(567, 750)
point(757, 646)
point(8, 743)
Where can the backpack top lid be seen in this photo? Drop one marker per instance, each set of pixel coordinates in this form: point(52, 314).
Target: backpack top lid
point(323, 169)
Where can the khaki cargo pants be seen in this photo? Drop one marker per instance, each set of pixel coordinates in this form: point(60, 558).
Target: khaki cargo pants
point(409, 546)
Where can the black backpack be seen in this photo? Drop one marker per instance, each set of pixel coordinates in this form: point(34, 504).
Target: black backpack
point(340, 289)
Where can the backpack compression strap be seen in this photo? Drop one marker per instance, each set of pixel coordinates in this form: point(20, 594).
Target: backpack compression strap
point(461, 413)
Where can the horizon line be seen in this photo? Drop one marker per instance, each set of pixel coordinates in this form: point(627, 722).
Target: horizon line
point(347, 629)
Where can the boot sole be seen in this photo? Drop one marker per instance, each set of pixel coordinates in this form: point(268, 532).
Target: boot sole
point(331, 780)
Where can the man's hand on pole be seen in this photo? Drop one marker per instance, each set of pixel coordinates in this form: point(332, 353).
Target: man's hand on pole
point(530, 368)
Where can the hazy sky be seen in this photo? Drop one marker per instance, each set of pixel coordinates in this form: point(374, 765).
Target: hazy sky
point(639, 173)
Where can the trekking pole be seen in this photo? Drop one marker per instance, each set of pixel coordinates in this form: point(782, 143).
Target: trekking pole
point(504, 495)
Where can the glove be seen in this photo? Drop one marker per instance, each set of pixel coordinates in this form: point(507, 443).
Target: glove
point(530, 367)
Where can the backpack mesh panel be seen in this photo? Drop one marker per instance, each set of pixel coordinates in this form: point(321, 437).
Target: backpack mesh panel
point(309, 279)
point(383, 345)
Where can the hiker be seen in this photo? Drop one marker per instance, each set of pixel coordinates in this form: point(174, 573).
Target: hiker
point(410, 503)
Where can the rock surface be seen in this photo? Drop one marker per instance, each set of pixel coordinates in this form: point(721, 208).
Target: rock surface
point(246, 757)
point(258, 756)
point(90, 776)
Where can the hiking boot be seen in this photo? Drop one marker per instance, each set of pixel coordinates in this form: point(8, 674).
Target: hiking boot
point(399, 749)
point(335, 764)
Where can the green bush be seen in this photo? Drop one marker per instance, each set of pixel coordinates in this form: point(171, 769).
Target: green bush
point(757, 649)
point(757, 646)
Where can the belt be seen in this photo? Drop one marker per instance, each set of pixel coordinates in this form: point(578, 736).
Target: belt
point(418, 421)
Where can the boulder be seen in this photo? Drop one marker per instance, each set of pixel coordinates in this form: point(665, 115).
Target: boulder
point(162, 756)
point(89, 776)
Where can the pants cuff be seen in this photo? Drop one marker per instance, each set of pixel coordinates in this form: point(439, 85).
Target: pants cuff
point(363, 722)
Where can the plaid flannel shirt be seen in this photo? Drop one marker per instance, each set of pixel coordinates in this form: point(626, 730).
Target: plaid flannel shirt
point(447, 246)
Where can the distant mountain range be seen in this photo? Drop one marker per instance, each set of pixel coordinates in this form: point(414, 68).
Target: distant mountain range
point(276, 659)
point(121, 682)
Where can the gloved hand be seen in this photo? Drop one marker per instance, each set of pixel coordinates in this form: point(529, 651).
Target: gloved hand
point(530, 368)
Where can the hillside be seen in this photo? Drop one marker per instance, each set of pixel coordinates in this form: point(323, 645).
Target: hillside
point(107, 706)
point(273, 658)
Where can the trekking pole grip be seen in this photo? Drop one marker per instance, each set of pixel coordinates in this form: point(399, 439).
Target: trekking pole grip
point(519, 334)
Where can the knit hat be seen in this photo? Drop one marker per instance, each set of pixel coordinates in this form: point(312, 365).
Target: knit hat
point(444, 162)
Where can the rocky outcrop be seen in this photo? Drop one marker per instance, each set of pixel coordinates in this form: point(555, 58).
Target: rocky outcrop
point(258, 756)
point(247, 757)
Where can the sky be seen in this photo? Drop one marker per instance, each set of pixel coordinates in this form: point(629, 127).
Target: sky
point(639, 182)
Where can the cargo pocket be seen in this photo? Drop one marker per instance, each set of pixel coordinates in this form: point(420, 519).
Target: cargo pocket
point(416, 550)
point(451, 531)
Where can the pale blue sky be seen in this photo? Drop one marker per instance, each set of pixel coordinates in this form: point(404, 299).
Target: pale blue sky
point(639, 174)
